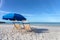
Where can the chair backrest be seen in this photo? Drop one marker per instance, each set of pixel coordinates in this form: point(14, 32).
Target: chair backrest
point(17, 26)
point(27, 26)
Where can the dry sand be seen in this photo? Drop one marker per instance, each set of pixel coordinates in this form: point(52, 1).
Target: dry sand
point(43, 32)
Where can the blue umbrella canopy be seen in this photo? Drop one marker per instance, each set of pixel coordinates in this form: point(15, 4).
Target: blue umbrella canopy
point(14, 16)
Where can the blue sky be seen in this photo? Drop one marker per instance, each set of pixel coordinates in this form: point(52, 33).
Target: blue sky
point(33, 10)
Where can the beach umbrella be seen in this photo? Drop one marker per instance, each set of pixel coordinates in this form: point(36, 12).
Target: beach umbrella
point(13, 17)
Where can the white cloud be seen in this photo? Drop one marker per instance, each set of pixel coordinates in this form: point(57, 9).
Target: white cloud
point(4, 12)
point(44, 17)
point(28, 15)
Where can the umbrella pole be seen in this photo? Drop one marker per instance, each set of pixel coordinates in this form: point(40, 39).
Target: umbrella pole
point(23, 24)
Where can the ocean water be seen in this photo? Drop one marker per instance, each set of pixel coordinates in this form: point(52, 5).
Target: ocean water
point(46, 23)
point(36, 23)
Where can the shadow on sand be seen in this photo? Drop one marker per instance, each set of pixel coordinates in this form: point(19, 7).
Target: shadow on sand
point(36, 30)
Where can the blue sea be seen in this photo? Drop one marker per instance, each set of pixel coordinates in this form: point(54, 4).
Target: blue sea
point(46, 23)
point(36, 23)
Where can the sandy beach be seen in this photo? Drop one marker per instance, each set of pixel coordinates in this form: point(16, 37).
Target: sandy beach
point(43, 32)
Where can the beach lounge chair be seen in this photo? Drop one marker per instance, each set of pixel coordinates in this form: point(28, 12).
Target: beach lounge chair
point(17, 26)
point(27, 26)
